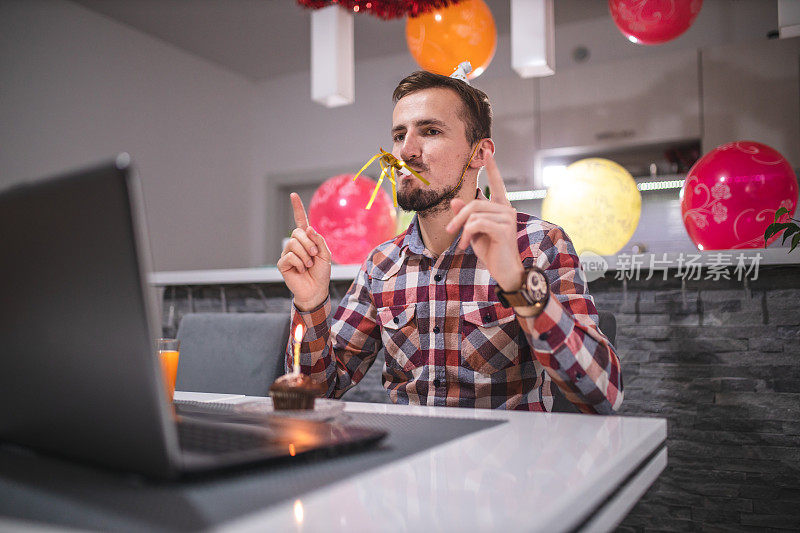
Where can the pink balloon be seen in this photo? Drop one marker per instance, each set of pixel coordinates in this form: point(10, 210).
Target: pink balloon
point(337, 211)
point(731, 194)
point(653, 21)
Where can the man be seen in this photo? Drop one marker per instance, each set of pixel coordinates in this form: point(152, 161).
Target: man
point(475, 304)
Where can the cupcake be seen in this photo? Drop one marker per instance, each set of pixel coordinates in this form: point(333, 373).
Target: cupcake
point(295, 391)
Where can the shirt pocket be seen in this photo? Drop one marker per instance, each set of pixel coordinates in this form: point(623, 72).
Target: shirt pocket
point(489, 337)
point(400, 335)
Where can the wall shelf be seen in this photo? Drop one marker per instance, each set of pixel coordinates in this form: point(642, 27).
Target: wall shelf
point(270, 274)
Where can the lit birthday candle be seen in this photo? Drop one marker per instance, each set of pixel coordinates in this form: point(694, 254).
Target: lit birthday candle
point(298, 337)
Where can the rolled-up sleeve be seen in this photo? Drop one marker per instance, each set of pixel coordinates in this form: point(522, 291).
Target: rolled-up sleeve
point(338, 352)
point(565, 337)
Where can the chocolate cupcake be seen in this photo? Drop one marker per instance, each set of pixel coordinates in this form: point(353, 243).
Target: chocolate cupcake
point(293, 392)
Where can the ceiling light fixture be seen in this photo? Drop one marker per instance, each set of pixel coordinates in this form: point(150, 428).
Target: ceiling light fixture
point(332, 57)
point(533, 38)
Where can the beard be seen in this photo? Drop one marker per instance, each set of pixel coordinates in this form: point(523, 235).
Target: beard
point(425, 201)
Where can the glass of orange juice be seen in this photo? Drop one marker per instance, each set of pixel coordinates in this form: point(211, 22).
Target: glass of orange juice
point(168, 352)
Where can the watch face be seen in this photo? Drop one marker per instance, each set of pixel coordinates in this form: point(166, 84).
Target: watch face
point(537, 285)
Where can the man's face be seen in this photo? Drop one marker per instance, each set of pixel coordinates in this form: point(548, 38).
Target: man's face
point(429, 134)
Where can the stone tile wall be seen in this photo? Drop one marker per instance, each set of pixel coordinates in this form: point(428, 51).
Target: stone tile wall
point(722, 365)
point(718, 359)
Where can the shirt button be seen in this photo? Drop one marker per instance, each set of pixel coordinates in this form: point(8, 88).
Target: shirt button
point(396, 320)
point(437, 277)
point(578, 376)
point(436, 329)
point(487, 317)
point(437, 382)
point(543, 336)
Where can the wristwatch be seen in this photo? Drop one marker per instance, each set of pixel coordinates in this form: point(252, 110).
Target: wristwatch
point(534, 291)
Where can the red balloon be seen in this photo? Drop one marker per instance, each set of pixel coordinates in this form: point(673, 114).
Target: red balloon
point(731, 194)
point(337, 211)
point(653, 21)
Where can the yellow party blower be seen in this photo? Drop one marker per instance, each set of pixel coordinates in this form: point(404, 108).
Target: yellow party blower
point(390, 165)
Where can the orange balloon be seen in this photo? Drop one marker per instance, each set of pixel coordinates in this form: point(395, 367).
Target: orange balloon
point(441, 39)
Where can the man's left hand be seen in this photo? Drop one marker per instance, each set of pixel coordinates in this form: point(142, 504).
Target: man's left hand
point(491, 228)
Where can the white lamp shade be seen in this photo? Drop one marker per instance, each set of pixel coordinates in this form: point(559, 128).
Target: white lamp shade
point(789, 18)
point(332, 56)
point(533, 38)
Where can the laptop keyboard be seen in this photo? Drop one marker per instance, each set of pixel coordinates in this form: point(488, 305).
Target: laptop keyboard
point(190, 406)
point(218, 439)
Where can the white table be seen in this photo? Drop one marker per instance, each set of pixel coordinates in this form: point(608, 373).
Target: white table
point(537, 472)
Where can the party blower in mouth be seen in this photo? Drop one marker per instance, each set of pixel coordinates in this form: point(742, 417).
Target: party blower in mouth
point(390, 167)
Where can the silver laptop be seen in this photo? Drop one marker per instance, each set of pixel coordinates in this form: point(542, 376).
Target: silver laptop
point(79, 375)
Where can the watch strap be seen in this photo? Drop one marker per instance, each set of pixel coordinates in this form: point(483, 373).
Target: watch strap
point(518, 298)
point(512, 299)
point(521, 297)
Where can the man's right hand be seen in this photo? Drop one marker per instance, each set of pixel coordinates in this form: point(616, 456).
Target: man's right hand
point(305, 262)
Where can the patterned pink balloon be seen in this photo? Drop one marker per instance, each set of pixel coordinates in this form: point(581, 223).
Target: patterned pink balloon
point(731, 194)
point(653, 21)
point(337, 211)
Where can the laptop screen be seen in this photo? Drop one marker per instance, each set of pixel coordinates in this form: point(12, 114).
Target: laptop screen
point(79, 375)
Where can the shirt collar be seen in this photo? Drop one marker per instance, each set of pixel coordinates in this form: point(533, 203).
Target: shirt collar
point(413, 238)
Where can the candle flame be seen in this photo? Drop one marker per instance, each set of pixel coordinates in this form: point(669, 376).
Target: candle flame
point(298, 333)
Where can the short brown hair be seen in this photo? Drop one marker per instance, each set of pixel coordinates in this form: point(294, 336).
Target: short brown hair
point(476, 111)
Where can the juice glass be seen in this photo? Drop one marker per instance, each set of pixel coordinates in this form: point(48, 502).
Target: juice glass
point(168, 353)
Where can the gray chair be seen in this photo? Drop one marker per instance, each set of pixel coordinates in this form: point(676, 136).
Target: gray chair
point(608, 325)
point(235, 353)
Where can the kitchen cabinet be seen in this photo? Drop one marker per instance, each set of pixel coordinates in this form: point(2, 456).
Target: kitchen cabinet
point(636, 101)
point(751, 91)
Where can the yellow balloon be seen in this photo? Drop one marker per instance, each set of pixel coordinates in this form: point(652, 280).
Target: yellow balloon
point(597, 203)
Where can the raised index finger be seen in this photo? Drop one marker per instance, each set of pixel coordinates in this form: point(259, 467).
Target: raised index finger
point(496, 185)
point(300, 217)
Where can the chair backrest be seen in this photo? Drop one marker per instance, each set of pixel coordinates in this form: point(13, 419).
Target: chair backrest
point(235, 353)
point(607, 323)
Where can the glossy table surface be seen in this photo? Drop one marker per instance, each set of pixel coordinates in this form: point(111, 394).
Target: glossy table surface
point(536, 472)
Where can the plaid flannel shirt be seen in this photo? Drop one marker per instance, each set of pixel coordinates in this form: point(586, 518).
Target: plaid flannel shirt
point(448, 340)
